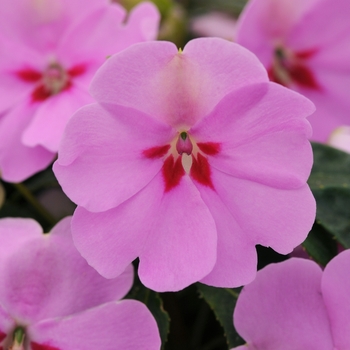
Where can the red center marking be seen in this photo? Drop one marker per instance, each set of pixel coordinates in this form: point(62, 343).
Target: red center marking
point(172, 171)
point(156, 152)
point(43, 90)
point(200, 171)
point(295, 68)
point(2, 336)
point(36, 346)
point(209, 148)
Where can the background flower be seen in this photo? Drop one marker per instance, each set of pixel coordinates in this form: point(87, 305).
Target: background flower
point(180, 164)
point(304, 45)
point(49, 291)
point(49, 51)
point(294, 305)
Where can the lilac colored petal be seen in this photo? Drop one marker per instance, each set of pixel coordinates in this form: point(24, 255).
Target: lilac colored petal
point(181, 247)
point(18, 162)
point(336, 291)
point(263, 134)
point(142, 24)
point(93, 38)
point(38, 24)
point(124, 325)
point(265, 22)
point(236, 261)
point(52, 116)
point(109, 241)
point(283, 308)
point(100, 163)
point(186, 86)
point(46, 277)
point(7, 324)
point(312, 30)
point(340, 138)
point(271, 217)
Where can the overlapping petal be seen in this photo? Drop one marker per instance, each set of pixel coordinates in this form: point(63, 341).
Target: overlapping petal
point(263, 134)
point(336, 291)
point(185, 85)
point(17, 161)
point(283, 309)
point(44, 276)
point(120, 325)
point(114, 167)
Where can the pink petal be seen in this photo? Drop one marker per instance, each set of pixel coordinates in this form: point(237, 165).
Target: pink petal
point(93, 38)
point(263, 134)
point(181, 247)
point(17, 161)
point(101, 163)
point(312, 30)
point(283, 308)
point(125, 325)
point(111, 240)
point(236, 261)
point(45, 276)
point(48, 124)
point(186, 86)
point(271, 217)
point(336, 291)
point(142, 24)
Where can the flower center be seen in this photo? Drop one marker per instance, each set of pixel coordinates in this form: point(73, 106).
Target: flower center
point(53, 80)
point(184, 156)
point(290, 68)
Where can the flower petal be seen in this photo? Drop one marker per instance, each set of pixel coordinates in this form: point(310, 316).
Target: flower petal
point(283, 308)
point(101, 163)
point(236, 261)
point(45, 276)
point(17, 161)
point(263, 134)
point(127, 324)
point(336, 291)
point(176, 87)
point(48, 124)
point(271, 217)
point(111, 240)
point(181, 247)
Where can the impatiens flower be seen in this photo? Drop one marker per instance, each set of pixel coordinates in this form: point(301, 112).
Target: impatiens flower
point(304, 44)
point(188, 160)
point(294, 305)
point(51, 299)
point(49, 51)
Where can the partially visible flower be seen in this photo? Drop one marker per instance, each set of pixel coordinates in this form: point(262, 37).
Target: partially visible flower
point(188, 160)
point(294, 305)
point(304, 45)
point(51, 299)
point(49, 51)
point(340, 138)
point(216, 24)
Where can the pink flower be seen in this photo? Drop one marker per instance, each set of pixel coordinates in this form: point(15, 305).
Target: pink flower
point(189, 159)
point(294, 305)
point(49, 293)
point(49, 51)
point(340, 138)
point(304, 44)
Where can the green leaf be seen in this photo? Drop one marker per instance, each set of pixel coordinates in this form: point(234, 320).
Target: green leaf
point(330, 184)
point(320, 245)
point(222, 301)
point(155, 304)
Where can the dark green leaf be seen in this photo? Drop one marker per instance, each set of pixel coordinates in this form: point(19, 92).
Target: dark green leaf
point(155, 304)
point(222, 301)
point(330, 184)
point(320, 245)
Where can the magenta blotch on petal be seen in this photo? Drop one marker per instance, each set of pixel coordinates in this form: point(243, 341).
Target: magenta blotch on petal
point(179, 163)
